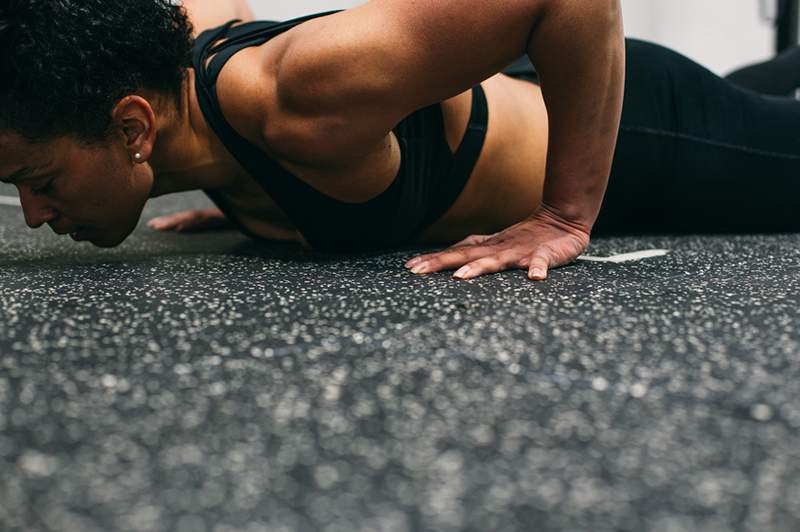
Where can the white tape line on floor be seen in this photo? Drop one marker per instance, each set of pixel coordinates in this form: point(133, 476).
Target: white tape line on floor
point(626, 257)
point(10, 200)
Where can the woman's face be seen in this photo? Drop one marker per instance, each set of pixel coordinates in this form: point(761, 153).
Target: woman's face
point(98, 192)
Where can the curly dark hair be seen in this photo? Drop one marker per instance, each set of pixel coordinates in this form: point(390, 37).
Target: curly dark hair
point(65, 63)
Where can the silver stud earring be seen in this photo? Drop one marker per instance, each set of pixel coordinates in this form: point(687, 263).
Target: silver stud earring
point(137, 157)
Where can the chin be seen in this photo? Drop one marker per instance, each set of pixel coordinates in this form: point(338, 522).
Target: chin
point(107, 241)
point(105, 245)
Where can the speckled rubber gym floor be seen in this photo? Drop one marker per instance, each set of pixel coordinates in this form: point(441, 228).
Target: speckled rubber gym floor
point(206, 383)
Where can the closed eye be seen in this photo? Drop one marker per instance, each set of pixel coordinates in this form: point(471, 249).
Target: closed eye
point(45, 189)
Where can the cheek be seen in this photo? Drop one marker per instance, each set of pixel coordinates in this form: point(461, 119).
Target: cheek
point(135, 185)
point(96, 192)
point(108, 187)
point(116, 180)
point(134, 190)
point(129, 178)
point(142, 180)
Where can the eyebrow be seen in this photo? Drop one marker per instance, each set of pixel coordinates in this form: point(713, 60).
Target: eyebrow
point(17, 176)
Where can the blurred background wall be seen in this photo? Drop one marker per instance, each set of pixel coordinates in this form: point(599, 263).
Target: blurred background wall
point(286, 9)
point(720, 34)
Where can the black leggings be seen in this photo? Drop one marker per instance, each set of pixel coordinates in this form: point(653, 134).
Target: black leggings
point(698, 154)
point(779, 76)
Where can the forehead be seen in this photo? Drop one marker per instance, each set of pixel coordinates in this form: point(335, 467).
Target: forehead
point(16, 152)
point(15, 148)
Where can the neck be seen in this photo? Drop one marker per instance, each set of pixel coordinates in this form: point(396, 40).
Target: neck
point(187, 155)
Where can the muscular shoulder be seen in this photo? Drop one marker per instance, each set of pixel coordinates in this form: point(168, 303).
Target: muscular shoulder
point(248, 98)
point(254, 102)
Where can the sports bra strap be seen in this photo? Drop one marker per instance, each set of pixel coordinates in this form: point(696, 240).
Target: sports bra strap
point(464, 159)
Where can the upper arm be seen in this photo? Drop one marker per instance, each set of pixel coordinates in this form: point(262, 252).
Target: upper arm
point(352, 76)
point(330, 90)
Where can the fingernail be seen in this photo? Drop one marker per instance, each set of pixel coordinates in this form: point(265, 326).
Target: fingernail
point(412, 263)
point(537, 274)
point(463, 272)
point(420, 268)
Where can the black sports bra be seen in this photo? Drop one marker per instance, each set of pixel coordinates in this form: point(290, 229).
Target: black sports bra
point(429, 180)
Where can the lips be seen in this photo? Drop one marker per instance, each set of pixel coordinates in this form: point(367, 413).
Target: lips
point(59, 231)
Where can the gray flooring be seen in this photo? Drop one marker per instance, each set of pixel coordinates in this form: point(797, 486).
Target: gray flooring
point(207, 383)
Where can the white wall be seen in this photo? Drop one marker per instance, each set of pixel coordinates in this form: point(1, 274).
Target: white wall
point(286, 9)
point(720, 34)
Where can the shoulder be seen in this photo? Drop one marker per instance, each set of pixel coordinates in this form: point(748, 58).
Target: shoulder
point(248, 97)
point(259, 100)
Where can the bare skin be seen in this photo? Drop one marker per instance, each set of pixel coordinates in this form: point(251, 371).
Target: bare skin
point(320, 100)
point(372, 164)
point(504, 188)
point(511, 166)
point(97, 192)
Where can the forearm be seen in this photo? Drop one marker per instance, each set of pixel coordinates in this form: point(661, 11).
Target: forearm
point(578, 48)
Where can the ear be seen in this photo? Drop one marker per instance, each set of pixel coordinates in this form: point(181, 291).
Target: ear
point(136, 120)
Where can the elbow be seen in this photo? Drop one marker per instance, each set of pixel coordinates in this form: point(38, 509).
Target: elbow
point(608, 13)
point(579, 18)
point(604, 13)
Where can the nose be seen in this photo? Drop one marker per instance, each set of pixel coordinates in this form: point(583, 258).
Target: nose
point(35, 208)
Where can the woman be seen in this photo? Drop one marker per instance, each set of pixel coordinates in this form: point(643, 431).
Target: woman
point(386, 125)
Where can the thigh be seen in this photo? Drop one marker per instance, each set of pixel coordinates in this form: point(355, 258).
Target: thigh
point(699, 154)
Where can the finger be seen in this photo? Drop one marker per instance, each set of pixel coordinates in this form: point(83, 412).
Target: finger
point(452, 258)
point(205, 221)
point(419, 260)
point(157, 222)
point(472, 240)
point(175, 221)
point(161, 224)
point(538, 267)
point(498, 262)
point(198, 224)
point(165, 222)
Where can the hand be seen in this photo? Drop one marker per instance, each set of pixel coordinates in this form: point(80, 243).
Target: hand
point(198, 220)
point(543, 241)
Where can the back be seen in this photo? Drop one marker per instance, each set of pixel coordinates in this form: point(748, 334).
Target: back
point(429, 179)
